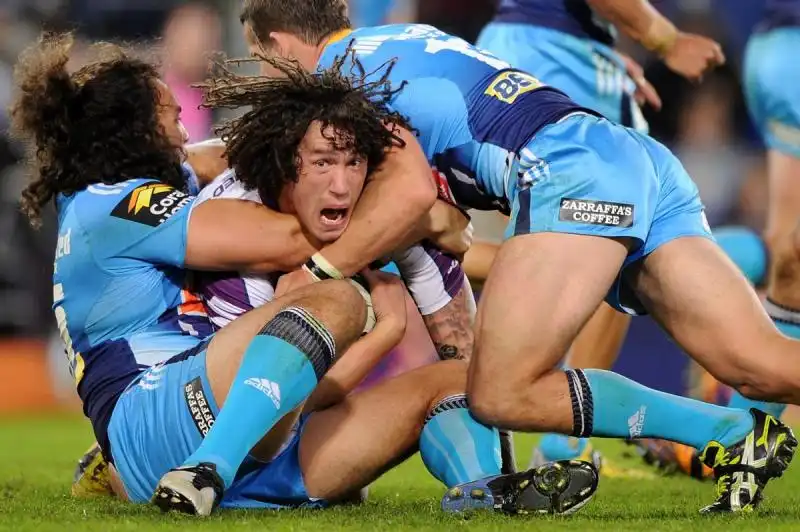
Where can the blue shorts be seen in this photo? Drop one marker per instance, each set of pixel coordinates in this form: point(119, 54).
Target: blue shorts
point(591, 177)
point(770, 87)
point(161, 419)
point(590, 72)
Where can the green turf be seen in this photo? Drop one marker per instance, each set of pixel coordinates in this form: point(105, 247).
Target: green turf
point(37, 457)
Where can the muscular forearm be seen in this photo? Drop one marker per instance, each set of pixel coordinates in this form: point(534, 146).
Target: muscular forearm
point(451, 327)
point(638, 20)
point(237, 235)
point(353, 367)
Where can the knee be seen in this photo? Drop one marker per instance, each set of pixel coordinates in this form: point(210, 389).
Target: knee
point(338, 306)
point(492, 404)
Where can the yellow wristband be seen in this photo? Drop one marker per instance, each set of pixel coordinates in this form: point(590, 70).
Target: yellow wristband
point(660, 36)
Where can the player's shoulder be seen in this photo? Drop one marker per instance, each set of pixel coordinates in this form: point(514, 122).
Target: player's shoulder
point(144, 200)
point(226, 185)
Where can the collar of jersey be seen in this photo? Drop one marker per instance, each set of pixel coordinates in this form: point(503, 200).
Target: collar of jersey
point(338, 36)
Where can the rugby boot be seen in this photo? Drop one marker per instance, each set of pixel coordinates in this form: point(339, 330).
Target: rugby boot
point(560, 488)
point(91, 475)
point(195, 490)
point(743, 470)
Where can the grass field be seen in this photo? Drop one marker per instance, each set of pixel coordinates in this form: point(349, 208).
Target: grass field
point(37, 457)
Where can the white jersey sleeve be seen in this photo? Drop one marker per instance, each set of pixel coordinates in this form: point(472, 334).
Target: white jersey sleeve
point(432, 277)
point(228, 295)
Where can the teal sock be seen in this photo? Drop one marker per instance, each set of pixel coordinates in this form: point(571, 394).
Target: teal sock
point(279, 370)
point(787, 320)
point(560, 447)
point(746, 249)
point(609, 405)
point(455, 447)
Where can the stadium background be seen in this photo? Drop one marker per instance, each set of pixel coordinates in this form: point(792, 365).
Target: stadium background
point(706, 125)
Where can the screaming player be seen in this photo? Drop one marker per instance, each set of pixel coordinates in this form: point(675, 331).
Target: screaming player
point(598, 211)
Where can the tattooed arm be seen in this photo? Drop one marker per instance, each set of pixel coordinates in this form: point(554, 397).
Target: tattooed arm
point(451, 327)
point(443, 296)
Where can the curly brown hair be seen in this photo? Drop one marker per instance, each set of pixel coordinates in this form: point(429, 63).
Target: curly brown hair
point(97, 125)
point(262, 144)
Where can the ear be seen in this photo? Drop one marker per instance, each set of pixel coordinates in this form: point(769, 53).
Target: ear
point(281, 44)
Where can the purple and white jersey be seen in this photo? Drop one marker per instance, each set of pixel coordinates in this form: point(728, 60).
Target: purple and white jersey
point(432, 277)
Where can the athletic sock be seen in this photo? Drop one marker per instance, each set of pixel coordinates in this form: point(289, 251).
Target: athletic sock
point(455, 447)
point(279, 370)
point(609, 405)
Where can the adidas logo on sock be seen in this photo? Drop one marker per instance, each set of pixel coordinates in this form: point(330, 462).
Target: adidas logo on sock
point(268, 388)
point(636, 422)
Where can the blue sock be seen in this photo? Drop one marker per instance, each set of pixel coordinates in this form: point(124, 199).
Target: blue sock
point(455, 447)
point(609, 405)
point(279, 370)
point(560, 447)
point(787, 320)
point(746, 249)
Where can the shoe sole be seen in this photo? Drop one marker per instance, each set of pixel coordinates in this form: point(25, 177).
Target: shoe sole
point(560, 488)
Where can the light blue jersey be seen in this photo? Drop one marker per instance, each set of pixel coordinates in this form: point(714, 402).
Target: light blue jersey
point(473, 112)
point(506, 141)
point(771, 74)
point(119, 288)
point(566, 45)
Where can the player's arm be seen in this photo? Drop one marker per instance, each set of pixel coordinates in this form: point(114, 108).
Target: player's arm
point(687, 54)
point(451, 327)
point(240, 235)
point(443, 296)
point(389, 301)
point(207, 159)
point(397, 198)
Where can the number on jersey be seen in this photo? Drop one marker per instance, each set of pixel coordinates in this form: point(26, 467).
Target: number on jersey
point(74, 359)
point(508, 86)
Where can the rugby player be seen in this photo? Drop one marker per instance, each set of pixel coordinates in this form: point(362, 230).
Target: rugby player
point(569, 44)
point(597, 211)
point(138, 341)
point(775, 108)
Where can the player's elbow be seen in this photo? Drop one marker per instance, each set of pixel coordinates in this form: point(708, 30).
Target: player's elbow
point(421, 194)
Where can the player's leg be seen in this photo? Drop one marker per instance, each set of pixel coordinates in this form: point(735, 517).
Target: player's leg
point(349, 445)
point(260, 368)
point(597, 346)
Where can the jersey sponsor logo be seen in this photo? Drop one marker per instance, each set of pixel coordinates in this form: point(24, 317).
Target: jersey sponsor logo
point(151, 204)
point(198, 406)
point(509, 86)
point(596, 212)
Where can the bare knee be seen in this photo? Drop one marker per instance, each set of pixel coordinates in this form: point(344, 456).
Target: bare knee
point(337, 305)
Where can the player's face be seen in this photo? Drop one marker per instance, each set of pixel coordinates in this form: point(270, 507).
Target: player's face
point(169, 117)
point(328, 186)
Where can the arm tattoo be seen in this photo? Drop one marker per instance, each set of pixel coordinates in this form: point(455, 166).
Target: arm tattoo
point(451, 326)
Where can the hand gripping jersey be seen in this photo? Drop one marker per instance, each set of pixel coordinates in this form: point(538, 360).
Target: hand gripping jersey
point(120, 292)
point(474, 113)
point(432, 277)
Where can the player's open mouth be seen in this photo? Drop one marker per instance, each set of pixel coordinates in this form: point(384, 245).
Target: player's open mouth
point(333, 217)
